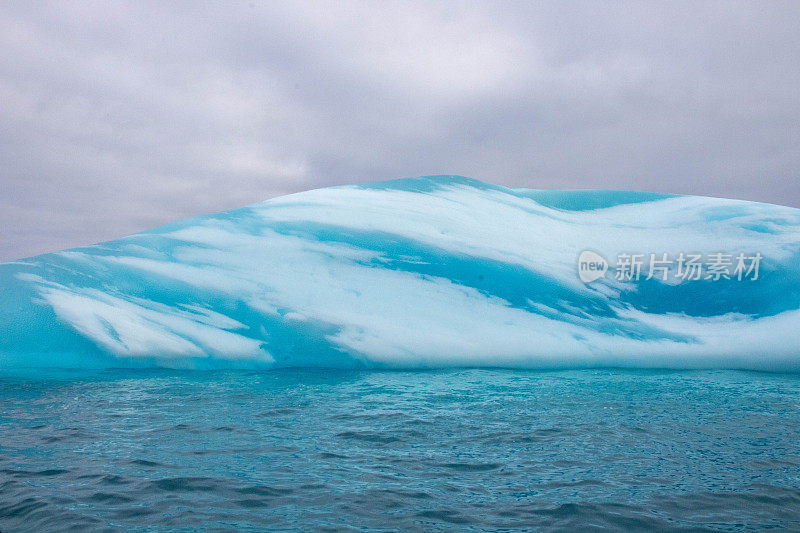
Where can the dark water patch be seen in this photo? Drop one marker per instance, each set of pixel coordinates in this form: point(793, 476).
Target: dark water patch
point(471, 467)
point(186, 484)
point(368, 437)
point(278, 411)
point(763, 506)
point(410, 495)
point(251, 503)
point(35, 514)
point(333, 456)
point(114, 480)
point(147, 464)
point(131, 513)
point(22, 509)
point(107, 498)
point(264, 491)
point(603, 516)
point(445, 515)
point(574, 484)
point(49, 472)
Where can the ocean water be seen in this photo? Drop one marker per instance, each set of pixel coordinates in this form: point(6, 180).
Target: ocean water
point(420, 450)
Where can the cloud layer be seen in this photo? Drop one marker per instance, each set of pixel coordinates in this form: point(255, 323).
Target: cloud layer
point(115, 117)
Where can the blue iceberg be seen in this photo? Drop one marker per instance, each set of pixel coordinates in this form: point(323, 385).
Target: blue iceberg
point(422, 273)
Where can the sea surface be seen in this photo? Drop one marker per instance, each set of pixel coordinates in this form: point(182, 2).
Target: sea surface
point(423, 450)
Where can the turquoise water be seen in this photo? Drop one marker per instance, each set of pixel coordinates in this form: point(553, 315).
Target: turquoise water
point(447, 449)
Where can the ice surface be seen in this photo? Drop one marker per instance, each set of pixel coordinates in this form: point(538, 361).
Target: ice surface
point(414, 273)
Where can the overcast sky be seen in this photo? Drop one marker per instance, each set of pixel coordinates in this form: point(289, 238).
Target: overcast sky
point(116, 117)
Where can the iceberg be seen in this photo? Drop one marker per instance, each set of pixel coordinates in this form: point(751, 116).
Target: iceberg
point(423, 272)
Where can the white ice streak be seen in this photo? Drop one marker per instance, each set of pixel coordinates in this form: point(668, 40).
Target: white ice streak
point(407, 319)
point(132, 327)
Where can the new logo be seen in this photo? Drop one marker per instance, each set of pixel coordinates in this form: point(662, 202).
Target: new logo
point(591, 266)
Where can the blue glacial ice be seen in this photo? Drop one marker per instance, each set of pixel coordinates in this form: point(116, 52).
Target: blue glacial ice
point(414, 273)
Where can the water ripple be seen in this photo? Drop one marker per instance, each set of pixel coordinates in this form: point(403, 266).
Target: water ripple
point(444, 450)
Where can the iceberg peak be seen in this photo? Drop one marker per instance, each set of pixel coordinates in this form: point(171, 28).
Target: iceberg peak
point(422, 272)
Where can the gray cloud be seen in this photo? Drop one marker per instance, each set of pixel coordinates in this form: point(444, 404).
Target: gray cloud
point(115, 117)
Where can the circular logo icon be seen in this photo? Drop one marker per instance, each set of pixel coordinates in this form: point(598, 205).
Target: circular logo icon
point(591, 266)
